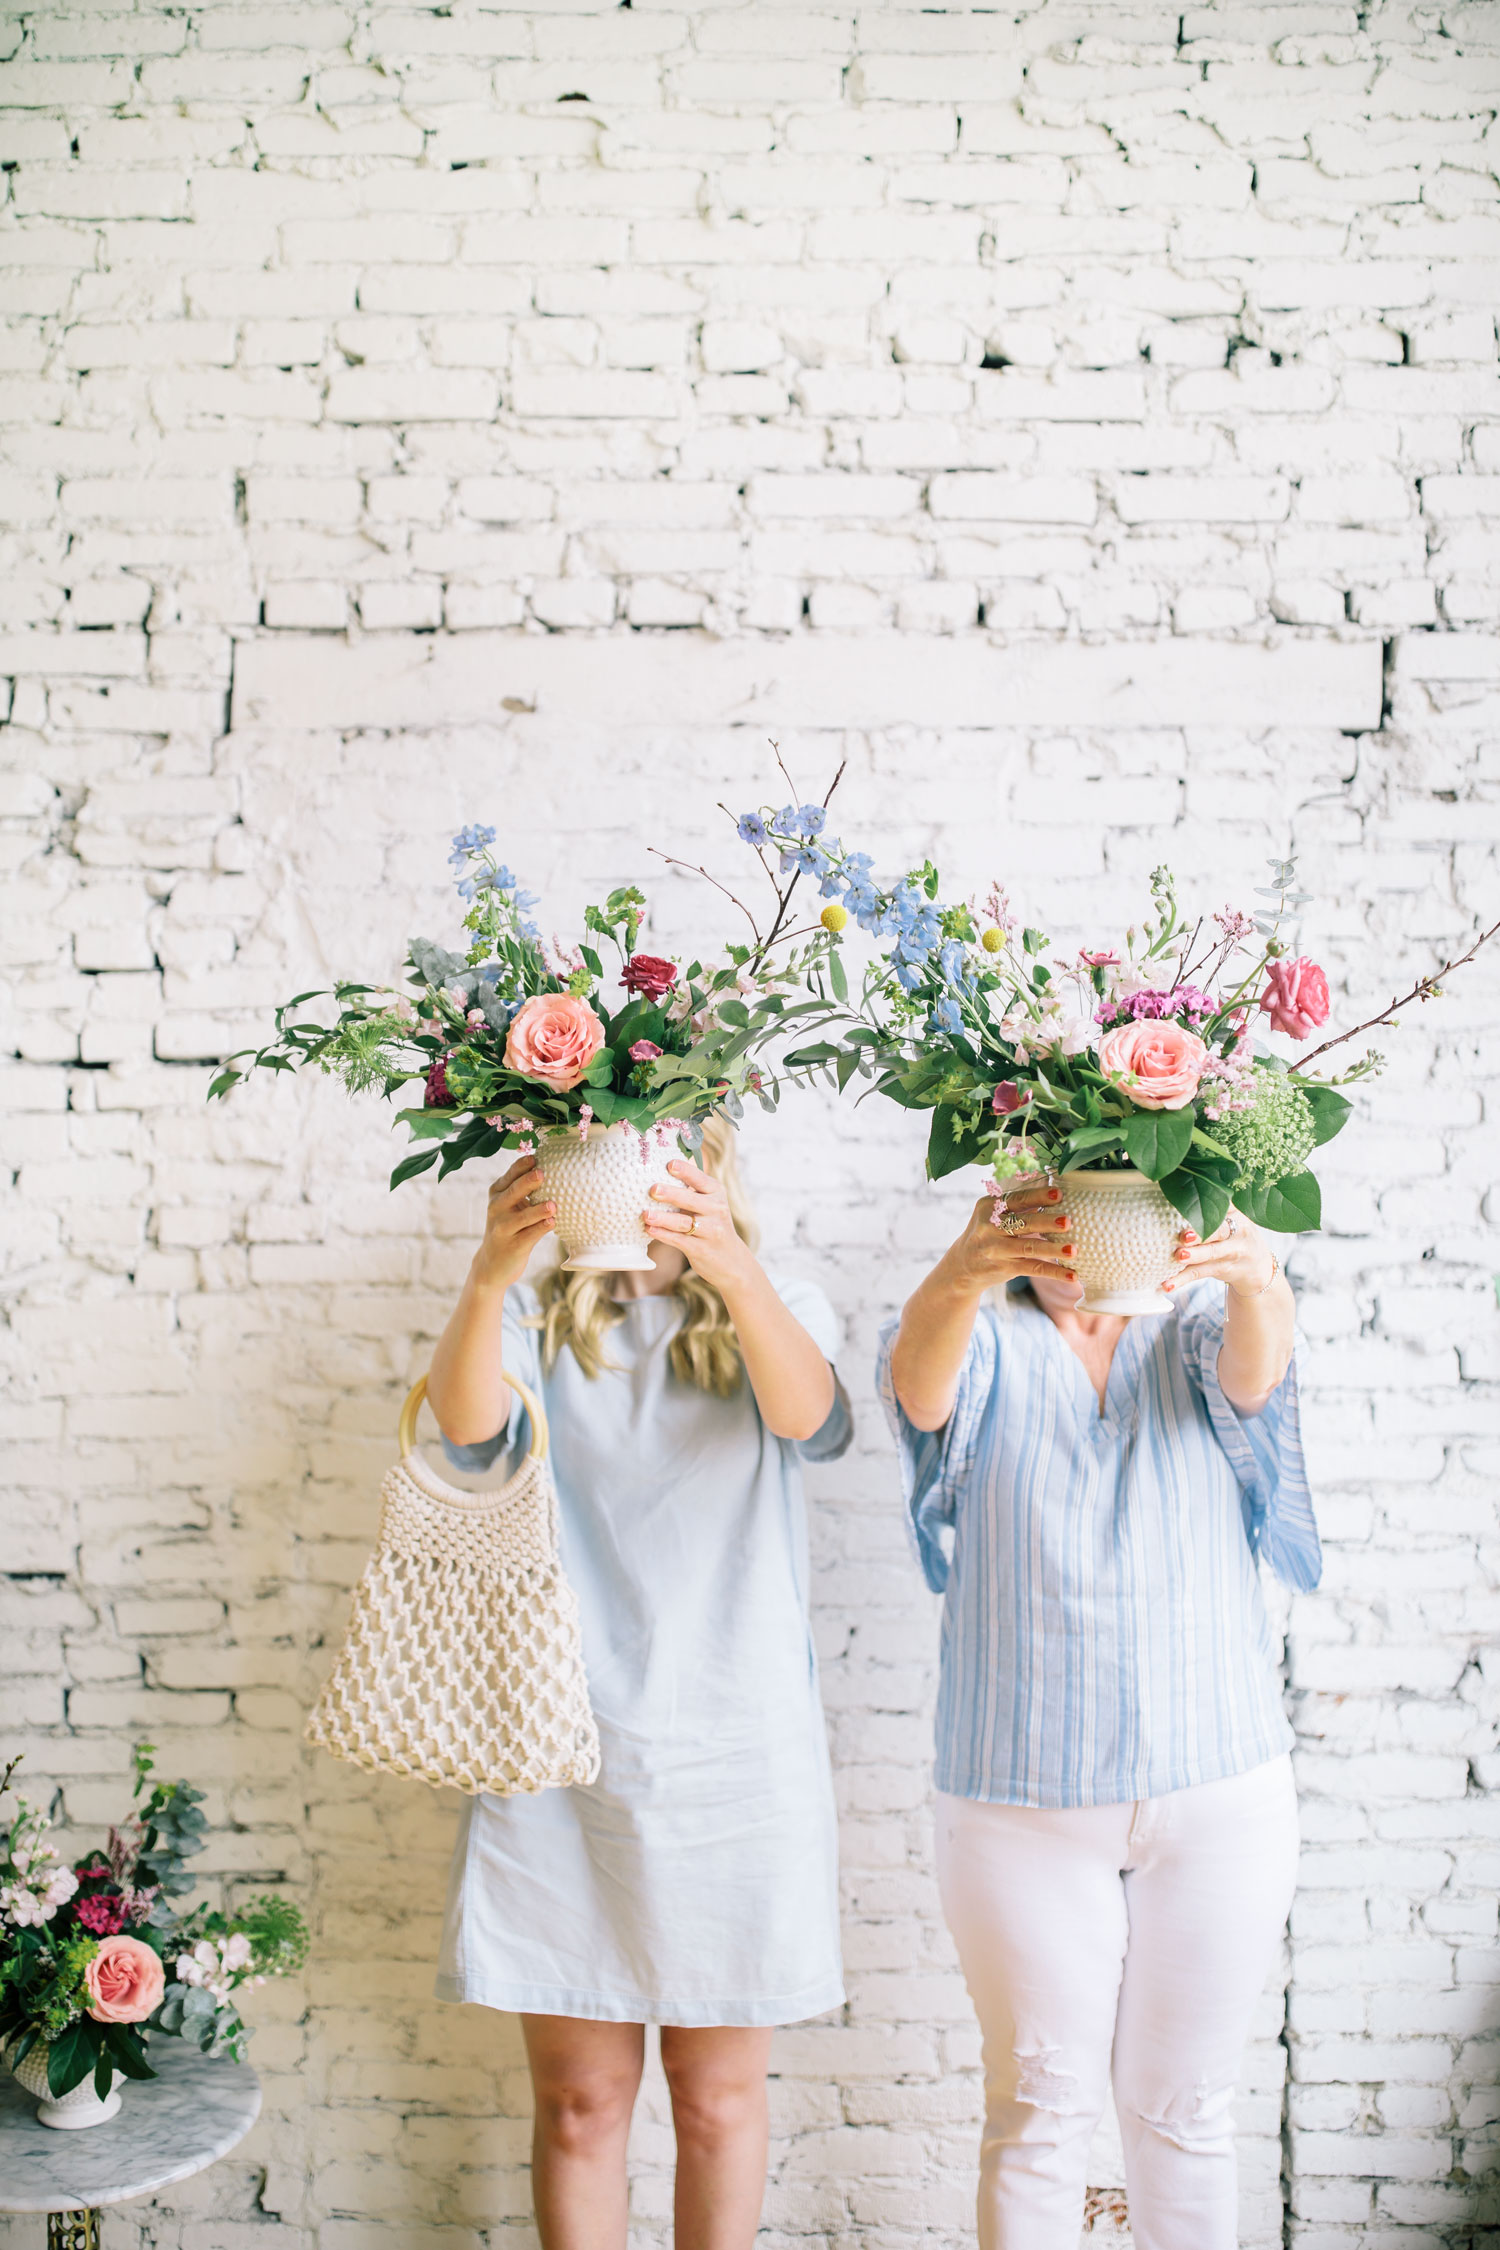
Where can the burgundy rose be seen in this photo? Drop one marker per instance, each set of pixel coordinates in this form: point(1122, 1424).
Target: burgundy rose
point(1008, 1097)
point(648, 973)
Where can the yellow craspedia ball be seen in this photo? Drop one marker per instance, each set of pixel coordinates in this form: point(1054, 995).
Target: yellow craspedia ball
point(835, 918)
point(992, 940)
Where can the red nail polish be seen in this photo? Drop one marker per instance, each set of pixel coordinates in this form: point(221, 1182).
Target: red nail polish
point(1054, 1195)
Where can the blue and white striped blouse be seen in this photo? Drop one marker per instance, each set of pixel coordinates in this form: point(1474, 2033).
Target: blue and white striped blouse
point(1104, 1636)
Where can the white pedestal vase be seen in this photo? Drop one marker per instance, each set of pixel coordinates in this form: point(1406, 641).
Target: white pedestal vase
point(72, 2112)
point(1125, 1234)
point(601, 1184)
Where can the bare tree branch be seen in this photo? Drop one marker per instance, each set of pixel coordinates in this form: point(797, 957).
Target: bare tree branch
point(1425, 988)
point(698, 869)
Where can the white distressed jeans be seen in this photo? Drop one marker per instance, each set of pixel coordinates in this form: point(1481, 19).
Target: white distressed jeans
point(1136, 1935)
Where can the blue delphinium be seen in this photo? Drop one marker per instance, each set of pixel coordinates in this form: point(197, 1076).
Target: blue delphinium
point(752, 829)
point(947, 1015)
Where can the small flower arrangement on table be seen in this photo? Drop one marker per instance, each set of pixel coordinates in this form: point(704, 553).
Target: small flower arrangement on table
point(97, 1956)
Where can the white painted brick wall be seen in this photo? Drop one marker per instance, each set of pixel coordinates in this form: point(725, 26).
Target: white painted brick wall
point(1084, 418)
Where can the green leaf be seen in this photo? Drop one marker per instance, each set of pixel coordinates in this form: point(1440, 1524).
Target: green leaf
point(735, 1012)
point(1087, 1140)
point(1157, 1141)
point(431, 1124)
point(1201, 1189)
point(1290, 1206)
point(410, 1166)
point(950, 1143)
point(128, 2049)
point(1330, 1110)
point(836, 976)
point(71, 2056)
point(591, 960)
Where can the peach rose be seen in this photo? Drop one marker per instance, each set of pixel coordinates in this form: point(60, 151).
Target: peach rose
point(125, 1981)
point(1160, 1063)
point(554, 1037)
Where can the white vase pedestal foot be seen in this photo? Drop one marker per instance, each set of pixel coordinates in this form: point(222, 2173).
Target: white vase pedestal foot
point(72, 2112)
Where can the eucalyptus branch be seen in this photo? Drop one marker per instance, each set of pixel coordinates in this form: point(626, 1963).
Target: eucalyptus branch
point(1425, 988)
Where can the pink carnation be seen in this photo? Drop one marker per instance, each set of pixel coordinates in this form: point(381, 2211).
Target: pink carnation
point(125, 1981)
point(1161, 1063)
point(104, 1914)
point(644, 1050)
point(554, 1037)
point(1296, 997)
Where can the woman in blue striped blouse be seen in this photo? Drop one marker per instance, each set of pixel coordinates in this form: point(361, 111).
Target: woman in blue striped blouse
point(1116, 1821)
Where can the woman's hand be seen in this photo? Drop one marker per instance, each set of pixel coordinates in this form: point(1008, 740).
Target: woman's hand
point(989, 1253)
point(513, 1226)
point(1238, 1254)
point(1259, 1316)
point(939, 1317)
point(690, 1211)
point(792, 1381)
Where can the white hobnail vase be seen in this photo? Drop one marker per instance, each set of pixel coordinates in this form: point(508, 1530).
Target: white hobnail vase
point(72, 2112)
point(600, 1184)
point(1124, 1233)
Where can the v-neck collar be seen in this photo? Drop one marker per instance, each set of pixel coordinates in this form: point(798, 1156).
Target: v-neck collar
point(1116, 1414)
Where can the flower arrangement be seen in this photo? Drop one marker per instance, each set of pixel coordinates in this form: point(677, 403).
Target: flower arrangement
point(96, 1956)
point(1142, 1057)
point(514, 1037)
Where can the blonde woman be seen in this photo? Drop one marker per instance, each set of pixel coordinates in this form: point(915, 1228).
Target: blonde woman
point(694, 1884)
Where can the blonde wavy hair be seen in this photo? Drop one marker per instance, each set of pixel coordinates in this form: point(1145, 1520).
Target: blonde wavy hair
point(577, 1309)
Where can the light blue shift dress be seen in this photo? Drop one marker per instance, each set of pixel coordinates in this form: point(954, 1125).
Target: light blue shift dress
point(695, 1882)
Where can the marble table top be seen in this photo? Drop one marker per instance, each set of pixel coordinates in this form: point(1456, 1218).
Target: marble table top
point(191, 2114)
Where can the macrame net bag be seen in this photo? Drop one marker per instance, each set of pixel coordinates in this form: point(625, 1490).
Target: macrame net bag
point(463, 1662)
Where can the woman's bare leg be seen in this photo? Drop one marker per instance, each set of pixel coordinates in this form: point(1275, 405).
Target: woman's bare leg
point(717, 2080)
point(586, 2077)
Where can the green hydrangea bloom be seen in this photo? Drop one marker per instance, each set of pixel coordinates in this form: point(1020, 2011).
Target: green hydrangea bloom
point(1274, 1138)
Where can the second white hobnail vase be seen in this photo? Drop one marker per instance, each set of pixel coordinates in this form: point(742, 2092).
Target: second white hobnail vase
point(66, 2113)
point(601, 1184)
point(1124, 1233)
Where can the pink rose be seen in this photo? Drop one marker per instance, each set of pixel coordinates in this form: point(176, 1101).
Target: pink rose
point(554, 1037)
point(1160, 1062)
point(125, 1981)
point(649, 973)
point(1296, 997)
point(644, 1050)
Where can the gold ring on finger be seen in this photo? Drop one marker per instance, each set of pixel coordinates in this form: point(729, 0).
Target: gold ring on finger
point(693, 1224)
point(1013, 1222)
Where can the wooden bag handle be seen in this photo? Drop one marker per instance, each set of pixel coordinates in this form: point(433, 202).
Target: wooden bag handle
point(406, 1428)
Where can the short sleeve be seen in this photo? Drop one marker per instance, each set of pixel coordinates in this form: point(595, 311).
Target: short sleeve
point(805, 1301)
point(936, 1464)
point(1264, 1450)
point(520, 1350)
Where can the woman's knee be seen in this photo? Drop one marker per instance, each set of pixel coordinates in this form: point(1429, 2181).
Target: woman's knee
point(714, 2098)
point(582, 2111)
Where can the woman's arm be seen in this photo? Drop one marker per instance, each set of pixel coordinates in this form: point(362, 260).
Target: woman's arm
point(1259, 1312)
point(465, 1387)
point(792, 1381)
point(938, 1318)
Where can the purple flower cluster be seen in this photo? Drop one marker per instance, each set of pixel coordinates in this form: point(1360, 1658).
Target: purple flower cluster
point(1154, 1006)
